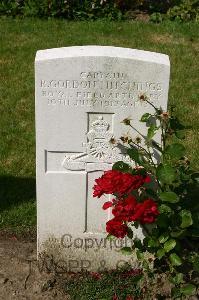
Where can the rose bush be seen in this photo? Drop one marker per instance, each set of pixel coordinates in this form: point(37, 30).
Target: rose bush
point(162, 192)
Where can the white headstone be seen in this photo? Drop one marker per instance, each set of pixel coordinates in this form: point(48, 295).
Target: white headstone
point(82, 95)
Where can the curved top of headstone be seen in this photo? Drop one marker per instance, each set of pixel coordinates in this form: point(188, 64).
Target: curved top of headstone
point(103, 51)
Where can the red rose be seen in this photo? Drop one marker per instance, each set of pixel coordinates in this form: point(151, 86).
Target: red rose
point(116, 228)
point(146, 212)
point(139, 210)
point(124, 208)
point(107, 205)
point(147, 179)
point(150, 213)
point(118, 183)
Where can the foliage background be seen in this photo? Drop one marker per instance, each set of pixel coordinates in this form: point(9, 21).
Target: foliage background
point(183, 10)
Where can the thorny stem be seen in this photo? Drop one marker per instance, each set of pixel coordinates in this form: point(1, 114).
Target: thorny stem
point(147, 152)
point(150, 155)
point(144, 137)
point(151, 104)
point(163, 137)
point(137, 131)
point(154, 167)
point(142, 148)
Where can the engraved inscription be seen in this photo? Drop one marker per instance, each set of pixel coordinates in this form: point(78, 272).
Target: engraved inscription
point(98, 89)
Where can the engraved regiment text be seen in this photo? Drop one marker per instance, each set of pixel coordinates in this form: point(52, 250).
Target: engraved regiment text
point(98, 89)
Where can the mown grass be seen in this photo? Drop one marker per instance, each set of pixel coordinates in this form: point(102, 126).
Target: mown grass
point(19, 41)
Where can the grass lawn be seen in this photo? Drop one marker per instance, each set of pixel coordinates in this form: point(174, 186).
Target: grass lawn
point(19, 41)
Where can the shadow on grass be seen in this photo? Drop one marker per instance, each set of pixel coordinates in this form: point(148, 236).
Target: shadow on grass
point(16, 190)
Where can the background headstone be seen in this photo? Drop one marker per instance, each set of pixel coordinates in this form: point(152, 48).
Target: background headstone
point(82, 95)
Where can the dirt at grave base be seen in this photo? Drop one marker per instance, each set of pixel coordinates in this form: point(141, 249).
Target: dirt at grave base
point(20, 277)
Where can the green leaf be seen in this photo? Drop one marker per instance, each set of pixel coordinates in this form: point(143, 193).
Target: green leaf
point(177, 279)
point(166, 174)
point(160, 253)
point(150, 192)
point(155, 232)
point(169, 245)
point(180, 134)
point(186, 218)
point(133, 153)
point(121, 166)
point(137, 278)
point(188, 289)
point(175, 150)
point(145, 117)
point(151, 132)
point(163, 221)
point(184, 177)
point(176, 234)
point(175, 292)
point(175, 124)
point(175, 259)
point(195, 177)
point(195, 262)
point(169, 197)
point(165, 209)
point(194, 232)
point(136, 156)
point(126, 250)
point(152, 243)
point(163, 238)
point(139, 254)
point(145, 265)
point(110, 237)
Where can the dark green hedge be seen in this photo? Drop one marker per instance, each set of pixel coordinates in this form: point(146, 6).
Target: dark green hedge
point(69, 9)
point(94, 9)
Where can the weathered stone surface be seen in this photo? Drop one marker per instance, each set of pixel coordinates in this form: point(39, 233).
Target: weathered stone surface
point(82, 95)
